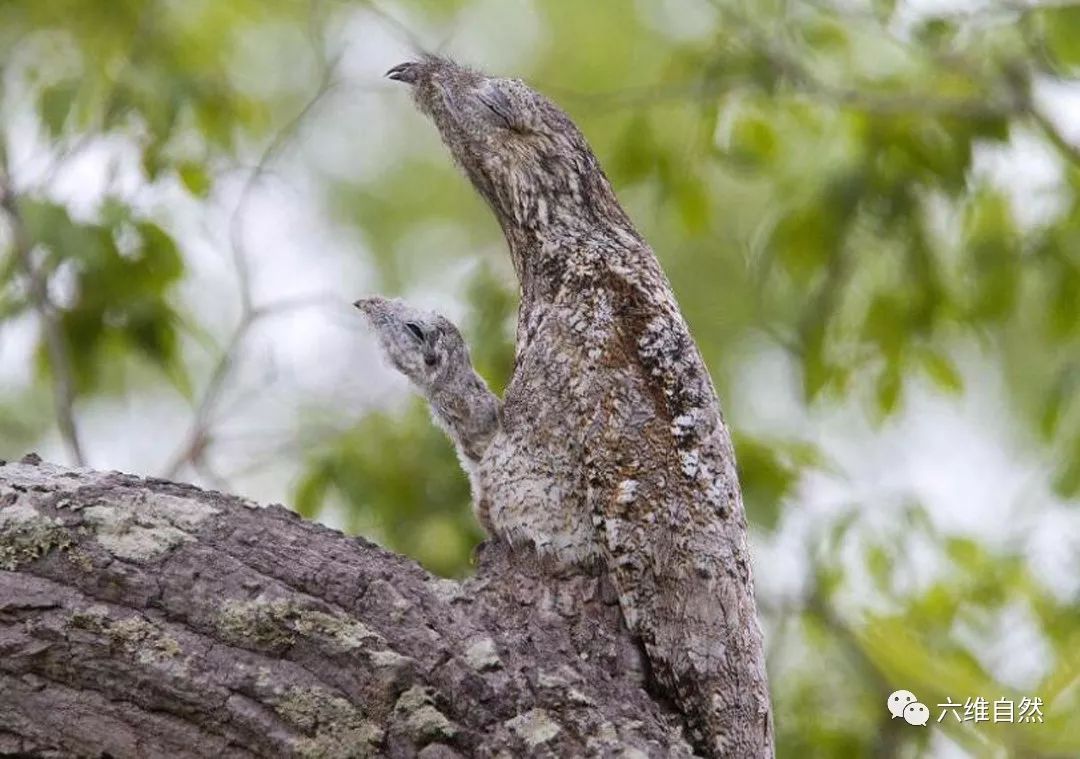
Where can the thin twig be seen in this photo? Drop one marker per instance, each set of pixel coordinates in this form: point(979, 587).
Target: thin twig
point(1036, 47)
point(236, 225)
point(794, 73)
point(1067, 149)
point(200, 433)
point(198, 438)
point(63, 382)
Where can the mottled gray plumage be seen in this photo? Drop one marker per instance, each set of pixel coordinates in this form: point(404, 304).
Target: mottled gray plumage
point(428, 349)
point(612, 446)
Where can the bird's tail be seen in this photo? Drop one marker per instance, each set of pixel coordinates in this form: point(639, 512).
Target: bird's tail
point(704, 647)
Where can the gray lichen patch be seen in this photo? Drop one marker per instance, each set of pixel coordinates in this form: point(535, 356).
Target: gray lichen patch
point(447, 590)
point(136, 636)
point(47, 477)
point(81, 559)
point(534, 727)
point(564, 677)
point(281, 623)
point(344, 632)
point(255, 622)
point(482, 655)
point(389, 659)
point(336, 728)
point(26, 535)
point(424, 723)
point(143, 525)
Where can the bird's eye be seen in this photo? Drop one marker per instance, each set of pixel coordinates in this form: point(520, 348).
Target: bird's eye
point(414, 328)
point(499, 106)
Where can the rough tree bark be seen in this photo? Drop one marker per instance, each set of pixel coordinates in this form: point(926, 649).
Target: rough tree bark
point(143, 618)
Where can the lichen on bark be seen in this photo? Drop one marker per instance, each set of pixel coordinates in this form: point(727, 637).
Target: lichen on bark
point(26, 535)
point(259, 634)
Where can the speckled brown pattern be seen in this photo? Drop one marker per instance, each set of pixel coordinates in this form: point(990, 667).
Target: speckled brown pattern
point(612, 445)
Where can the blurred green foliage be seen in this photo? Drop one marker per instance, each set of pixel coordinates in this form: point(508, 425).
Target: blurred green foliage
point(810, 177)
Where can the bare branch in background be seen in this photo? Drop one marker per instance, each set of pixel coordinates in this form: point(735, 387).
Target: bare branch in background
point(273, 149)
point(802, 82)
point(397, 25)
point(1037, 49)
point(199, 437)
point(55, 344)
point(793, 71)
point(194, 447)
point(1068, 150)
point(63, 381)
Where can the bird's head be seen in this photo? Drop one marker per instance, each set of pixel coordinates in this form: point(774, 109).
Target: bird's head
point(520, 150)
point(424, 346)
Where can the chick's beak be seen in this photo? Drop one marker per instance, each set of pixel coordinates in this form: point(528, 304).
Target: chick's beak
point(407, 72)
point(370, 305)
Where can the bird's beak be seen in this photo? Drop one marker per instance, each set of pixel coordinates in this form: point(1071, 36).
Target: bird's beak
point(369, 305)
point(407, 72)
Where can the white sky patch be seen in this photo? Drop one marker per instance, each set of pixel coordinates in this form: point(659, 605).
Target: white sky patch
point(18, 340)
point(1029, 171)
point(497, 36)
point(909, 12)
point(255, 65)
point(1060, 101)
point(961, 459)
point(1010, 644)
point(679, 20)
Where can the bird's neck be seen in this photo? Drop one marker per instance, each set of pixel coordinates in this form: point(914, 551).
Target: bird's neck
point(542, 255)
point(466, 409)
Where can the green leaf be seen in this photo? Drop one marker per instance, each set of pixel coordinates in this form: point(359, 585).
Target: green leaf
point(195, 178)
point(941, 370)
point(393, 473)
point(886, 324)
point(55, 105)
point(826, 34)
point(162, 263)
point(890, 386)
point(993, 256)
point(1062, 29)
point(490, 325)
point(884, 9)
point(754, 142)
point(634, 157)
point(311, 492)
point(692, 198)
point(768, 470)
point(1067, 481)
point(1058, 400)
point(966, 554)
point(1064, 312)
point(879, 563)
point(936, 32)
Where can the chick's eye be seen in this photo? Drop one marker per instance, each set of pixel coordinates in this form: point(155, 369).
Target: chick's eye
point(414, 328)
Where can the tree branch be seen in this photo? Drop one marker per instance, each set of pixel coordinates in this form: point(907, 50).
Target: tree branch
point(198, 437)
point(63, 381)
point(149, 618)
point(195, 443)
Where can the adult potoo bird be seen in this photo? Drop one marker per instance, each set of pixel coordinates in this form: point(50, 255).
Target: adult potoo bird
point(612, 444)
